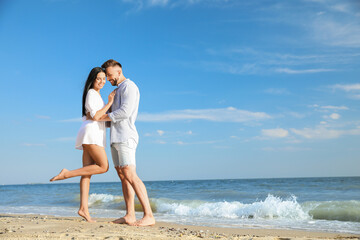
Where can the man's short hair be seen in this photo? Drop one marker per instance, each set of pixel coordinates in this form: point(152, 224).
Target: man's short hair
point(110, 63)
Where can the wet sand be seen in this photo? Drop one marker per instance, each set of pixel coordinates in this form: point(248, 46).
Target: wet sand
point(51, 227)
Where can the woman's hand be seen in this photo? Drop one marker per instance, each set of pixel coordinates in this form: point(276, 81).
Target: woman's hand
point(111, 96)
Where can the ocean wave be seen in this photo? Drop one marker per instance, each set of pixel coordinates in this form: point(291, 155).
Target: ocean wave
point(334, 210)
point(272, 207)
point(99, 199)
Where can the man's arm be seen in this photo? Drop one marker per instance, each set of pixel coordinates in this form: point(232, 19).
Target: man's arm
point(128, 101)
point(108, 123)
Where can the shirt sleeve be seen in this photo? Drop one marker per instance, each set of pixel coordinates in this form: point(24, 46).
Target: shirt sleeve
point(90, 103)
point(128, 101)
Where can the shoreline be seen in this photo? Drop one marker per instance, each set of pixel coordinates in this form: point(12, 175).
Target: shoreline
point(35, 226)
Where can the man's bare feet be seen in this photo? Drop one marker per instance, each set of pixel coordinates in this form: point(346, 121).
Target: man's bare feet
point(127, 219)
point(86, 216)
point(60, 176)
point(145, 221)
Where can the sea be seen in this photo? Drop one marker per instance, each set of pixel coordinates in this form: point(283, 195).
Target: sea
point(316, 204)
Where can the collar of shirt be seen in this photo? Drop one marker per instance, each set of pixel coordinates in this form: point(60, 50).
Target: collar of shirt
point(122, 82)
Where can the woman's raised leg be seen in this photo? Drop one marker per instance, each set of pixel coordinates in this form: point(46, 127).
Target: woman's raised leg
point(97, 154)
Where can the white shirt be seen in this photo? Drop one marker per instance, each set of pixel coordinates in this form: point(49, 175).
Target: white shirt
point(124, 111)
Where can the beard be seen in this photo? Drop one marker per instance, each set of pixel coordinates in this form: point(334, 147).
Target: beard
point(115, 82)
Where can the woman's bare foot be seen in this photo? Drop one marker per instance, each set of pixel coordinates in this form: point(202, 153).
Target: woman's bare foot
point(127, 219)
point(60, 176)
point(145, 221)
point(85, 215)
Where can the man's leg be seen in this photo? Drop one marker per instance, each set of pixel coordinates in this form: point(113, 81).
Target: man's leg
point(128, 191)
point(129, 197)
point(129, 173)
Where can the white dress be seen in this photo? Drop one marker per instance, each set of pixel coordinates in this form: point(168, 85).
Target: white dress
point(92, 132)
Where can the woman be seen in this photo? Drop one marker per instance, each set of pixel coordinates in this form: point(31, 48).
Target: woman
point(91, 138)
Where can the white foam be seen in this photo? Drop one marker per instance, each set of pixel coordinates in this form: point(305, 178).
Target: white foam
point(271, 207)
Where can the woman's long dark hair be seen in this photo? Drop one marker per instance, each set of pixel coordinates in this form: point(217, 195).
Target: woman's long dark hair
point(89, 84)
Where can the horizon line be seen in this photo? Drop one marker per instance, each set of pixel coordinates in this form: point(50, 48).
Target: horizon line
point(209, 179)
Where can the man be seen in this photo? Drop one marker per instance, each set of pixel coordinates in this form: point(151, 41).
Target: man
point(124, 140)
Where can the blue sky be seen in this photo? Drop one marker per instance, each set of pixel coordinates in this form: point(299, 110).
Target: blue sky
point(229, 89)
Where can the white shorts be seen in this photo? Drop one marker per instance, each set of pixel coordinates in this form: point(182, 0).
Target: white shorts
point(123, 154)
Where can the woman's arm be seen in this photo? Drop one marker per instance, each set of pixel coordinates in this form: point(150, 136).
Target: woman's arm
point(100, 114)
point(104, 118)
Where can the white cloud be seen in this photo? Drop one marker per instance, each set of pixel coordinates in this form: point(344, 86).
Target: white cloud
point(334, 116)
point(275, 133)
point(245, 60)
point(327, 108)
point(318, 133)
point(251, 61)
point(340, 26)
point(229, 114)
point(339, 32)
point(353, 89)
point(322, 132)
point(160, 132)
point(335, 107)
point(303, 71)
point(347, 87)
point(234, 137)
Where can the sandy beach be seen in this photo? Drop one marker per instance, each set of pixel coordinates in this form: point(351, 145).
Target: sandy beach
point(51, 227)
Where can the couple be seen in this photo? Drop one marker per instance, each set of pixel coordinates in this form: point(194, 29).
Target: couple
point(124, 103)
